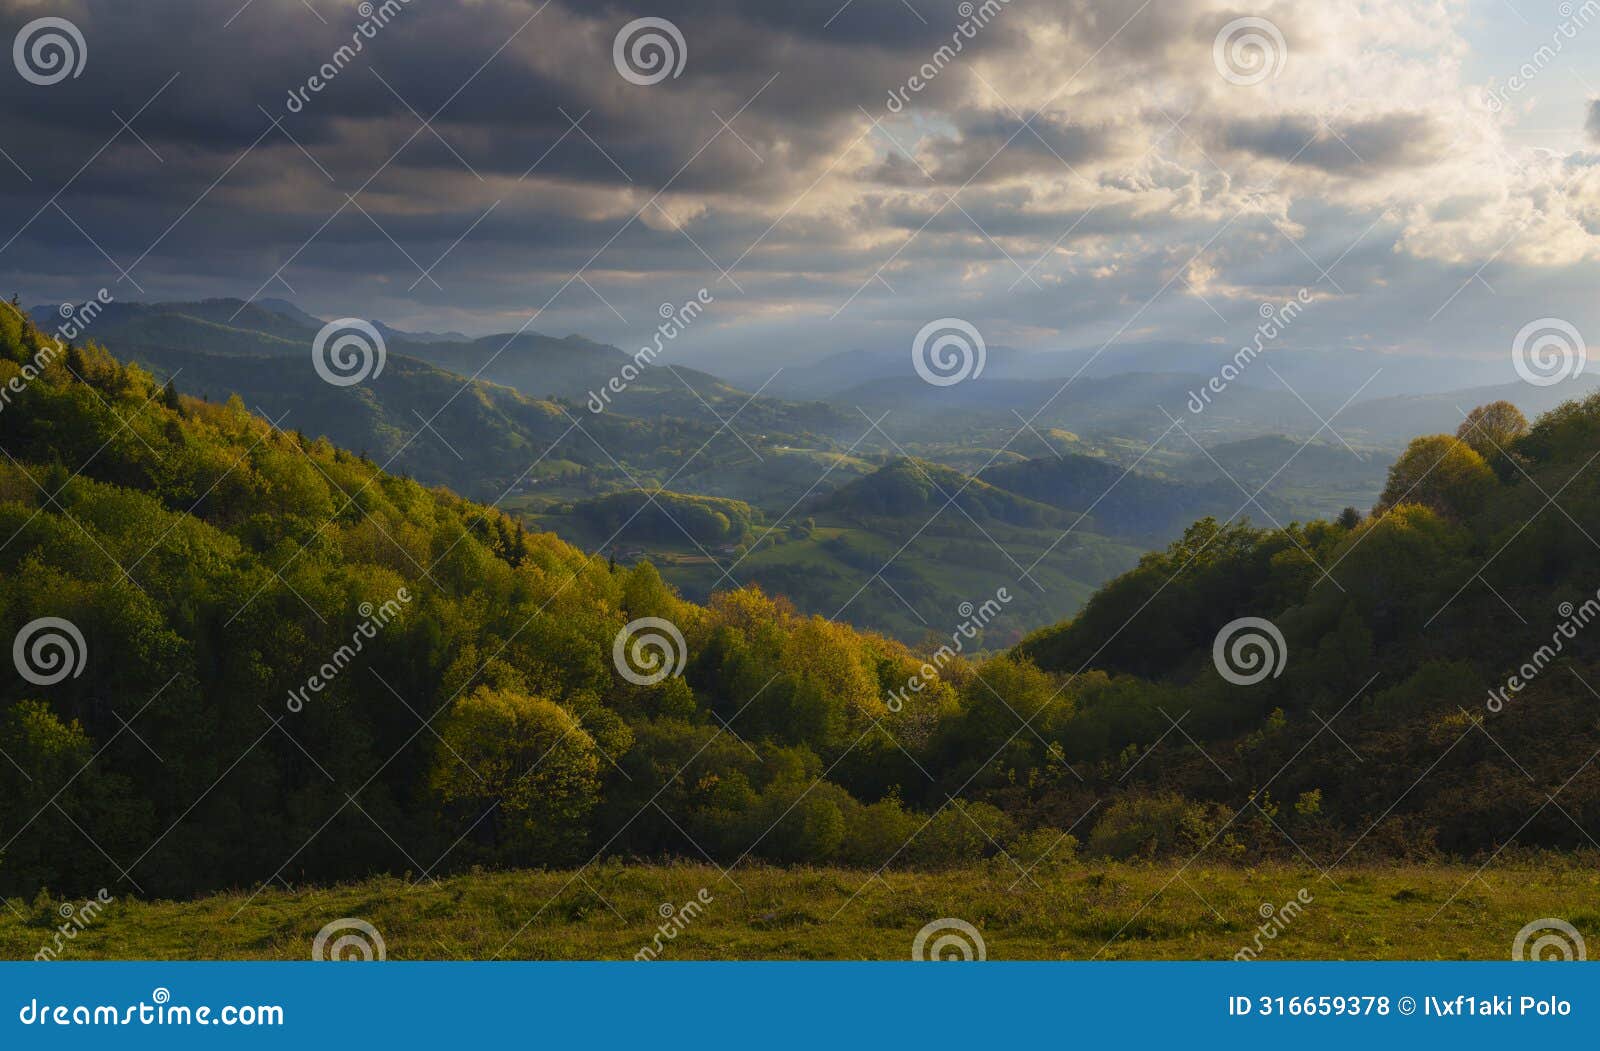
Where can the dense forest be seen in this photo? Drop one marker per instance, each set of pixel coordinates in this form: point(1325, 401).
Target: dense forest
point(296, 666)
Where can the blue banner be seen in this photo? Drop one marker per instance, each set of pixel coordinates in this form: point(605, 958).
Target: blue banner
point(704, 1005)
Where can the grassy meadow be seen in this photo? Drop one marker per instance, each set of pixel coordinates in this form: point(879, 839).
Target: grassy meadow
point(1072, 911)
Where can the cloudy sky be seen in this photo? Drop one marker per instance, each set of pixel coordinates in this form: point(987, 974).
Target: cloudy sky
point(1079, 173)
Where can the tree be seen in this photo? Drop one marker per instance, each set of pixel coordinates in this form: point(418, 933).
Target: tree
point(645, 594)
point(1492, 430)
point(503, 540)
point(1349, 518)
point(76, 364)
point(1393, 569)
point(50, 782)
point(169, 396)
point(525, 757)
point(1439, 472)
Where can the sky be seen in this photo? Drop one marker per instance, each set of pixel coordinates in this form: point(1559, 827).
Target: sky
point(835, 175)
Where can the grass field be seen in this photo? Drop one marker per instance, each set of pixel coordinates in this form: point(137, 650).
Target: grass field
point(1076, 911)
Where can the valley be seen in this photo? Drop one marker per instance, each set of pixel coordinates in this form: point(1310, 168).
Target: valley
point(859, 507)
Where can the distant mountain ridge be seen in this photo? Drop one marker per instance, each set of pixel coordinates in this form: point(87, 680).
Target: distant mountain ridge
point(1315, 374)
point(537, 365)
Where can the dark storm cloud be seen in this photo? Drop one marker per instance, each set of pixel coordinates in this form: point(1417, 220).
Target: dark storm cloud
point(1051, 136)
point(218, 182)
point(1392, 141)
point(503, 93)
point(988, 147)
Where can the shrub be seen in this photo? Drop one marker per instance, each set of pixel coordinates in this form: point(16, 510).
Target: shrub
point(1148, 826)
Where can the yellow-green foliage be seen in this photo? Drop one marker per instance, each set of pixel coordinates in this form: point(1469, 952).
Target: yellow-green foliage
point(224, 574)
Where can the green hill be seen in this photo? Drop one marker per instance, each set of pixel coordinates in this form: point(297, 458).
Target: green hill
point(488, 433)
point(480, 438)
point(1311, 480)
point(214, 326)
point(908, 487)
point(539, 366)
point(1125, 502)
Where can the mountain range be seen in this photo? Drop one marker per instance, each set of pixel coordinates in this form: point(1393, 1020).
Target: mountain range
point(1114, 464)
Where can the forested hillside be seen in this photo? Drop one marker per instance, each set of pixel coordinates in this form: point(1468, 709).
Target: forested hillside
point(728, 460)
point(1451, 632)
point(292, 662)
point(296, 667)
point(480, 437)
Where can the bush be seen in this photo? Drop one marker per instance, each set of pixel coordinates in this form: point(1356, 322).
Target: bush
point(1041, 849)
point(1149, 826)
point(877, 833)
point(960, 833)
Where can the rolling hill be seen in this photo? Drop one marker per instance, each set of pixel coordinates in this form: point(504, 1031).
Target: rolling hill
point(906, 487)
point(488, 439)
point(537, 365)
point(1123, 502)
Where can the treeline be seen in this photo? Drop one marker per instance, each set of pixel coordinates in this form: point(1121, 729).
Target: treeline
point(663, 516)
